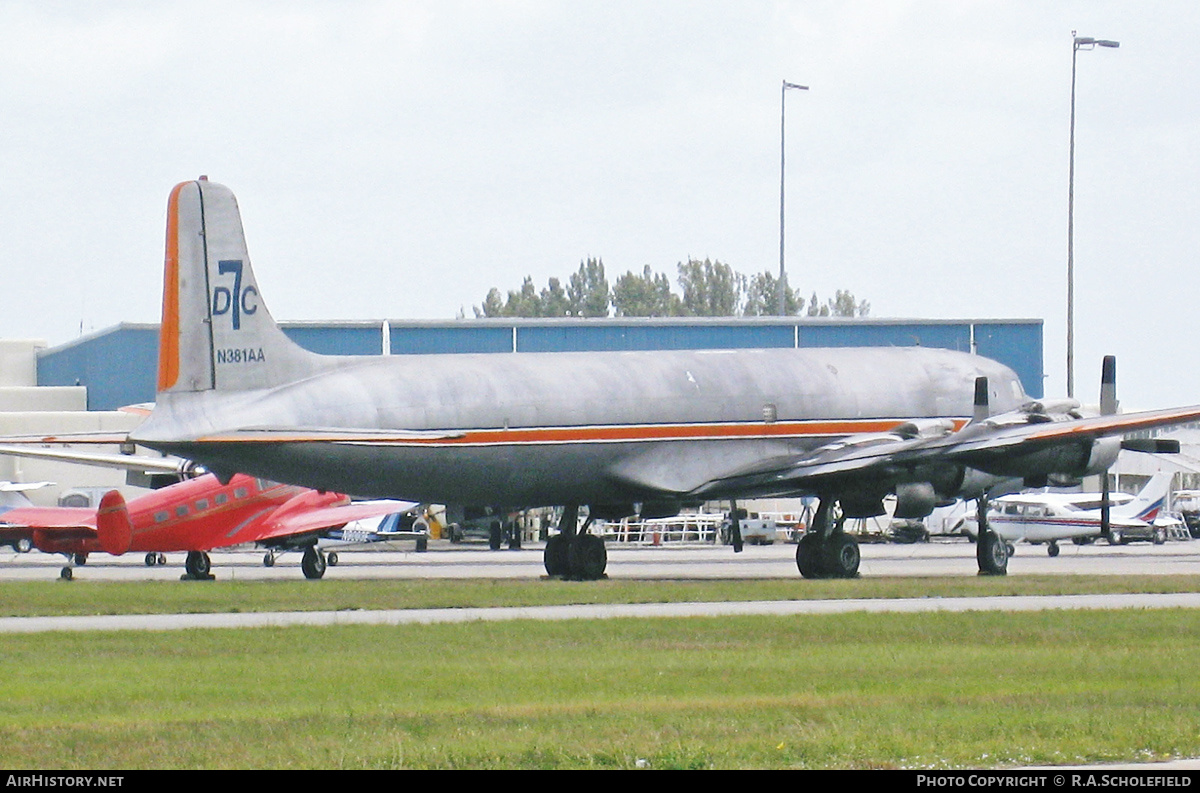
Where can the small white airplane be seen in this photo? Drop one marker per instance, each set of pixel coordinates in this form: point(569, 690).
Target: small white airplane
point(1050, 517)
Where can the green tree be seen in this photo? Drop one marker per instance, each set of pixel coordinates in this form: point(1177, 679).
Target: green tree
point(710, 288)
point(587, 292)
point(645, 295)
point(762, 297)
point(844, 305)
point(554, 300)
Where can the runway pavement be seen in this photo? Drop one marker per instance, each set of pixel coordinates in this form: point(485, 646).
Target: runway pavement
point(444, 560)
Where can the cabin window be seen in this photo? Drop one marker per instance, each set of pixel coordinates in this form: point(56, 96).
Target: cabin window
point(181, 510)
point(241, 492)
point(202, 504)
point(221, 498)
point(159, 517)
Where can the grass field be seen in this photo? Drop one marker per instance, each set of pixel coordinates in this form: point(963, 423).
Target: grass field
point(52, 598)
point(847, 691)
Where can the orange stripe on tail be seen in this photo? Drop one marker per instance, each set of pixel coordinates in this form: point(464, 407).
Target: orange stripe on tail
point(168, 334)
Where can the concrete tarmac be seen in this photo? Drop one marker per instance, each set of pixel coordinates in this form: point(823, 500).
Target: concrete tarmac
point(688, 562)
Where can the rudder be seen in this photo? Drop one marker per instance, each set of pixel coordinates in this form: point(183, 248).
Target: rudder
point(216, 331)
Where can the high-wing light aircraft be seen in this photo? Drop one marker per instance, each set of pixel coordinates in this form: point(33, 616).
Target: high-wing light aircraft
point(195, 515)
point(622, 432)
point(1050, 517)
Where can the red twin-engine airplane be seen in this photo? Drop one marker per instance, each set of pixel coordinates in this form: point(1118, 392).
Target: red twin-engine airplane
point(195, 515)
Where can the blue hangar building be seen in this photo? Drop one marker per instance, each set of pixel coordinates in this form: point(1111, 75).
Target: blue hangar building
point(118, 365)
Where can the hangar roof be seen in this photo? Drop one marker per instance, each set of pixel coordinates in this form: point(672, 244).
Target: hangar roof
point(118, 364)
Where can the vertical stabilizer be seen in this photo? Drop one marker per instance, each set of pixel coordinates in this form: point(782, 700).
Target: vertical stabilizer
point(216, 332)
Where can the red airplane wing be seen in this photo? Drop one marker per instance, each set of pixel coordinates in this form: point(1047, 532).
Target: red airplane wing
point(304, 522)
point(50, 518)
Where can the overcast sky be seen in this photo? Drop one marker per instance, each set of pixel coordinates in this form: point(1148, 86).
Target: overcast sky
point(398, 159)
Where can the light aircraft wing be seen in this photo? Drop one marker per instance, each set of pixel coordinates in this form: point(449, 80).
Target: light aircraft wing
point(75, 521)
point(284, 523)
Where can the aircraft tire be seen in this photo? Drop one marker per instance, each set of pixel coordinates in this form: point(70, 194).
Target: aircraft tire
point(23, 545)
point(151, 559)
point(422, 544)
point(587, 558)
point(555, 556)
point(268, 559)
point(81, 559)
point(495, 535)
point(991, 553)
point(66, 574)
point(197, 565)
point(331, 559)
point(312, 564)
point(1052, 549)
point(808, 556)
point(1160, 536)
point(841, 556)
point(1115, 537)
point(161, 559)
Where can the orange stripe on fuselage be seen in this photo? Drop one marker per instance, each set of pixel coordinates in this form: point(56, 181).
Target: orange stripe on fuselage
point(168, 335)
point(602, 434)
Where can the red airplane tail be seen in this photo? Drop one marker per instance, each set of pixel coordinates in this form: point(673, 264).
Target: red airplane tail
point(114, 528)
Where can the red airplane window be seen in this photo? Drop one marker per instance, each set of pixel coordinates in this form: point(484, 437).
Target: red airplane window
point(159, 517)
point(221, 498)
point(202, 504)
point(241, 492)
point(181, 510)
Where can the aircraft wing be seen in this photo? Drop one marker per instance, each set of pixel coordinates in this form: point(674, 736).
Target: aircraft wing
point(1000, 446)
point(272, 526)
point(129, 462)
point(58, 522)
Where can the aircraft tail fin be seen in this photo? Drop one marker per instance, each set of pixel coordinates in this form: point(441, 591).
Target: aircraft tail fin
point(1152, 499)
point(114, 528)
point(216, 332)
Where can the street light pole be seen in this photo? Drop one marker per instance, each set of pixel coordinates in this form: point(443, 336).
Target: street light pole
point(781, 307)
point(1078, 43)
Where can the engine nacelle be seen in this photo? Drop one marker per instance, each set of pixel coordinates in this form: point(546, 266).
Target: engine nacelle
point(1104, 454)
point(915, 500)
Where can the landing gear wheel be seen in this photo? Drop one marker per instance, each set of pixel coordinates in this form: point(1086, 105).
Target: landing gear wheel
point(151, 559)
point(269, 559)
point(1052, 549)
point(81, 559)
point(991, 553)
point(24, 545)
point(1115, 537)
point(198, 566)
point(587, 557)
point(331, 559)
point(66, 574)
point(422, 544)
point(555, 555)
point(514, 539)
point(162, 559)
point(808, 556)
point(1160, 535)
point(495, 535)
point(312, 563)
point(840, 556)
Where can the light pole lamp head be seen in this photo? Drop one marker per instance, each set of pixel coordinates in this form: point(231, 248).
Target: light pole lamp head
point(1089, 42)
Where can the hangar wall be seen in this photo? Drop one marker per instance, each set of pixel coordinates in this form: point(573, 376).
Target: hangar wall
point(118, 365)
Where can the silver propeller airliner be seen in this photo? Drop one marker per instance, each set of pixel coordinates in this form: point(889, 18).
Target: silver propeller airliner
point(620, 432)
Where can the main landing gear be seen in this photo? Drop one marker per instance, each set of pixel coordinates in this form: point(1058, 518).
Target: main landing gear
point(825, 551)
point(578, 556)
point(991, 552)
point(197, 567)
